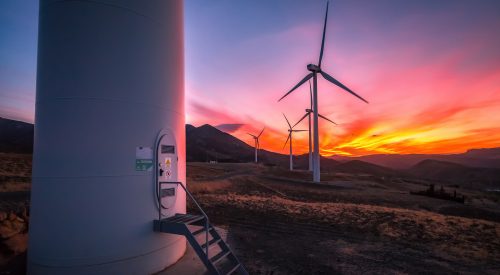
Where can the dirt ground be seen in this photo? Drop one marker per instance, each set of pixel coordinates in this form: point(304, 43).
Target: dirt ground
point(280, 223)
point(15, 183)
point(350, 224)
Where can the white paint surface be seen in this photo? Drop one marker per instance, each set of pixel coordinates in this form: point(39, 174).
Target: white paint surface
point(110, 78)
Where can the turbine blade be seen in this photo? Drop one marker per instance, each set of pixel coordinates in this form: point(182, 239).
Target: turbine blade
point(251, 135)
point(325, 118)
point(261, 132)
point(298, 85)
point(336, 82)
point(300, 130)
point(287, 121)
point(287, 139)
point(300, 120)
point(323, 40)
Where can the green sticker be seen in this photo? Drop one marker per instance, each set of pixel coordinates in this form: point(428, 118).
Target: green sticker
point(143, 165)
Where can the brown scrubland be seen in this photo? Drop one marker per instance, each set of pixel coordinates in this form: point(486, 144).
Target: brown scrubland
point(278, 222)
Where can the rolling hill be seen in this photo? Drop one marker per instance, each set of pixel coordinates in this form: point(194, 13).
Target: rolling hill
point(206, 143)
point(487, 158)
point(16, 136)
point(358, 167)
point(455, 173)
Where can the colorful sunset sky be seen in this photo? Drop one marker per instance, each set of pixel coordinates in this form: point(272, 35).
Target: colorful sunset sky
point(430, 70)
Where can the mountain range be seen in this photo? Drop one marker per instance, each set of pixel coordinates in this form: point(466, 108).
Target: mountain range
point(488, 158)
point(207, 143)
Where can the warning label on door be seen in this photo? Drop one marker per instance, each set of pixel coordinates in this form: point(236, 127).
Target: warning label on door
point(143, 159)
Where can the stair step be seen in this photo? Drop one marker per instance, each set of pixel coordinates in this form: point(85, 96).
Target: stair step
point(211, 243)
point(199, 231)
point(184, 218)
point(178, 217)
point(233, 269)
point(219, 257)
point(195, 219)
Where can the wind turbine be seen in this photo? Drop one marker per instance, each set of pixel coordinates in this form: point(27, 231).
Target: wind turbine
point(314, 71)
point(257, 144)
point(308, 115)
point(290, 132)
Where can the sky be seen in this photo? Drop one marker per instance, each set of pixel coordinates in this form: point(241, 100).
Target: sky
point(429, 69)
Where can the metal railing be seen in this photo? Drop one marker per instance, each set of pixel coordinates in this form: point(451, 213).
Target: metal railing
point(195, 202)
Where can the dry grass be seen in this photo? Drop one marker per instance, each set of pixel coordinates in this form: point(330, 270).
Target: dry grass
point(462, 238)
point(14, 186)
point(15, 172)
point(17, 165)
point(209, 187)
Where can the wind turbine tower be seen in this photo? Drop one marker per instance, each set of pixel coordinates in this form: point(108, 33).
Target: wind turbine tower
point(256, 142)
point(314, 71)
point(290, 137)
point(308, 115)
point(109, 129)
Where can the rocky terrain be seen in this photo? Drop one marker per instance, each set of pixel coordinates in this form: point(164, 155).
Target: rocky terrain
point(349, 224)
point(15, 180)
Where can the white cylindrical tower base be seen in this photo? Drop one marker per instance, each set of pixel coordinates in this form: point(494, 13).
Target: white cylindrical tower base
point(110, 78)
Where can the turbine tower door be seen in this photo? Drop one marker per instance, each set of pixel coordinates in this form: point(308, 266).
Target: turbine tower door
point(167, 173)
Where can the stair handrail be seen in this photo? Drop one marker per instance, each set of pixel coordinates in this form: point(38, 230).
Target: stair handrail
point(195, 202)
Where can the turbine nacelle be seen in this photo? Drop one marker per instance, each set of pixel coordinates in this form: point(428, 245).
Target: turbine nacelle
point(313, 68)
point(309, 110)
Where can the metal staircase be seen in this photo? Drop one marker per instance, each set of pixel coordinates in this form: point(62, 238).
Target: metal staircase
point(202, 236)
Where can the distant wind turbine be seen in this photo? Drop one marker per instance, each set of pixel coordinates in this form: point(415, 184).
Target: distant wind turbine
point(308, 115)
point(290, 137)
point(315, 70)
point(257, 144)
